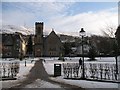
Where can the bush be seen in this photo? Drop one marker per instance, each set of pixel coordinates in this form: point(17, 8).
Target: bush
point(61, 57)
point(92, 54)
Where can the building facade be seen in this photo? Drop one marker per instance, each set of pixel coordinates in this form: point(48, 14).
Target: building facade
point(86, 49)
point(46, 46)
point(52, 45)
point(16, 45)
point(13, 45)
point(38, 39)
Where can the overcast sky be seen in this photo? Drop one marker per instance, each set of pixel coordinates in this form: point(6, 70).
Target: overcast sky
point(64, 17)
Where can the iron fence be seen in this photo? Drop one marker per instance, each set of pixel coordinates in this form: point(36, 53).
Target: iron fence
point(97, 71)
point(9, 69)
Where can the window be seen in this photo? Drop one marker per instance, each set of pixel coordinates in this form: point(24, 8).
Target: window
point(17, 48)
point(5, 34)
point(50, 53)
point(8, 54)
point(39, 30)
point(17, 40)
point(52, 49)
point(17, 44)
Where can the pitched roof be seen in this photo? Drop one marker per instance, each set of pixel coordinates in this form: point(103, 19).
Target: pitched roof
point(52, 33)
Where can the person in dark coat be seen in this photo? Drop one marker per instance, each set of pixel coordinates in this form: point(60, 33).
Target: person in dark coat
point(80, 62)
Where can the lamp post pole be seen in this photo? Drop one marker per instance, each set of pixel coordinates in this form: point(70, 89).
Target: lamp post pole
point(25, 62)
point(83, 72)
point(116, 57)
point(82, 34)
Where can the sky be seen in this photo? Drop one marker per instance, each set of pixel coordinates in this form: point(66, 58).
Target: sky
point(63, 17)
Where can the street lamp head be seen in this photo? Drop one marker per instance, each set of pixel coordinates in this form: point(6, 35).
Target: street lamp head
point(82, 32)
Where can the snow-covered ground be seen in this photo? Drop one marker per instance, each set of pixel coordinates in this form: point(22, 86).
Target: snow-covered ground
point(49, 62)
point(87, 84)
point(42, 84)
point(49, 66)
point(23, 71)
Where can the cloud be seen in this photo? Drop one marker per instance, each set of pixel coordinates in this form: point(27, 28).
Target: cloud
point(42, 10)
point(91, 21)
point(55, 15)
point(50, 9)
point(17, 18)
point(60, 0)
point(27, 13)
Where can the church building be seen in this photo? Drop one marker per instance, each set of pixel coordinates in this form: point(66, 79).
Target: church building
point(46, 46)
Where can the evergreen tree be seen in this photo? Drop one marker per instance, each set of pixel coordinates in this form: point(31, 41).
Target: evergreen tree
point(30, 45)
point(92, 53)
point(67, 48)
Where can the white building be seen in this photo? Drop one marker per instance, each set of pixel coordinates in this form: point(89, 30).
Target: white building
point(85, 47)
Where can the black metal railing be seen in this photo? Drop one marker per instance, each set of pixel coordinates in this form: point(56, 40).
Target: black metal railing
point(9, 69)
point(97, 71)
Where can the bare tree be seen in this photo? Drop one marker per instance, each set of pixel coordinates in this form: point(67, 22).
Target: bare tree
point(109, 31)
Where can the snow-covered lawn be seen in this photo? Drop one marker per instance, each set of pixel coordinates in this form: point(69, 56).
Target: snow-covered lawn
point(24, 70)
point(49, 62)
point(49, 66)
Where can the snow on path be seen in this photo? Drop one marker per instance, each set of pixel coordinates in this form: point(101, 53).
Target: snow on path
point(23, 75)
point(87, 84)
point(42, 84)
point(38, 78)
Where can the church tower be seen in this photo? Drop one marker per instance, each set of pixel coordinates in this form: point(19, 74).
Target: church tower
point(38, 39)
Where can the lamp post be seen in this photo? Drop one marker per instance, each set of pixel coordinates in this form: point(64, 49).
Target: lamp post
point(25, 62)
point(82, 34)
point(116, 50)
